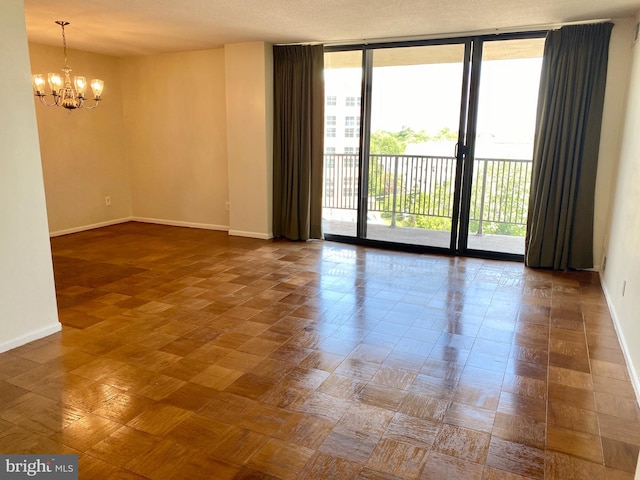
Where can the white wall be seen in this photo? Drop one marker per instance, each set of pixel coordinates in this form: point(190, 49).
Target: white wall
point(249, 94)
point(27, 292)
point(161, 144)
point(622, 272)
point(612, 126)
point(175, 134)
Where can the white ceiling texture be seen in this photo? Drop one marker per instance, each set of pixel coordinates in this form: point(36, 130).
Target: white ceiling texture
point(140, 27)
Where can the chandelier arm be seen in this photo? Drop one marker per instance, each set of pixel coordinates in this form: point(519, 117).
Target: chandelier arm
point(44, 102)
point(86, 107)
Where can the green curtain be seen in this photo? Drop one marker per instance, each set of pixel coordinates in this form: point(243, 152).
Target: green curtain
point(298, 141)
point(565, 157)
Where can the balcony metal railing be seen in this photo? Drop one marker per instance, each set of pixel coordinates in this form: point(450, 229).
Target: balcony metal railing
point(417, 188)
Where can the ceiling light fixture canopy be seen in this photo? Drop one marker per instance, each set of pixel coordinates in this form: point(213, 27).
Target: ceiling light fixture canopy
point(66, 94)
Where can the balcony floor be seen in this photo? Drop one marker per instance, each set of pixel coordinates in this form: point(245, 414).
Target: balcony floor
point(419, 236)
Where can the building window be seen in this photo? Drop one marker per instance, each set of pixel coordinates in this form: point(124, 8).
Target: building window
point(349, 121)
point(331, 119)
point(331, 132)
point(332, 100)
point(349, 150)
point(348, 187)
point(328, 188)
point(330, 150)
point(352, 102)
point(351, 132)
point(330, 161)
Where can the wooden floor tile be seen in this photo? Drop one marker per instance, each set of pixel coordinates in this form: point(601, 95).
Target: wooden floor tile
point(520, 429)
point(516, 458)
point(160, 419)
point(281, 459)
point(325, 466)
point(413, 431)
point(563, 415)
point(573, 442)
point(190, 353)
point(397, 458)
point(122, 446)
point(462, 443)
point(439, 466)
point(349, 444)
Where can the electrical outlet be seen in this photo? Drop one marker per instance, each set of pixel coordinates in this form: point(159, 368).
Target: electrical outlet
point(107, 201)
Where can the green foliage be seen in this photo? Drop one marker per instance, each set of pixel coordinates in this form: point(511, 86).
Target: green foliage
point(505, 188)
point(386, 143)
point(506, 192)
point(395, 143)
point(378, 184)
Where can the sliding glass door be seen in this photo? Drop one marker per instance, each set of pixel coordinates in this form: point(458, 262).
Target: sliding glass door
point(415, 125)
point(429, 145)
point(342, 128)
point(507, 98)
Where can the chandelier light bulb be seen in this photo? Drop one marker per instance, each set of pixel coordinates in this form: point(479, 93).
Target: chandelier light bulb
point(96, 87)
point(55, 82)
point(81, 85)
point(38, 83)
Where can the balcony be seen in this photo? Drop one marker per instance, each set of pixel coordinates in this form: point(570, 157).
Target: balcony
point(410, 200)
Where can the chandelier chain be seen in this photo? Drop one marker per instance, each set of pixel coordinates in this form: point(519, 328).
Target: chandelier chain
point(63, 24)
point(64, 46)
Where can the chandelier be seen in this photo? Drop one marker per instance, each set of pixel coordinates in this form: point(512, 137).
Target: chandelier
point(66, 94)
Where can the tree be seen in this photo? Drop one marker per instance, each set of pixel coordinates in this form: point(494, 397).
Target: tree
point(388, 143)
point(407, 135)
point(445, 134)
point(507, 188)
point(395, 143)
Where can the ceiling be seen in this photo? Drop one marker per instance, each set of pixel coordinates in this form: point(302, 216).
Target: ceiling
point(141, 27)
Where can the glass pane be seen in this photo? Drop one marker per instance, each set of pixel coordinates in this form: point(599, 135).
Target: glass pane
point(343, 83)
point(507, 105)
point(414, 128)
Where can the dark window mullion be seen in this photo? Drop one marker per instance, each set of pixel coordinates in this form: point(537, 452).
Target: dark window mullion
point(365, 132)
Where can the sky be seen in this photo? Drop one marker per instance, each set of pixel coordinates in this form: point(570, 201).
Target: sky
point(427, 97)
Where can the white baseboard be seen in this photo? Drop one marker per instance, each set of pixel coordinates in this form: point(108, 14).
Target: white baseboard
point(178, 223)
point(158, 221)
point(633, 374)
point(261, 236)
point(171, 223)
point(67, 231)
point(30, 337)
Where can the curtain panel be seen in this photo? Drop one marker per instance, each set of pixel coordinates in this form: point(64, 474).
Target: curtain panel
point(565, 158)
point(298, 141)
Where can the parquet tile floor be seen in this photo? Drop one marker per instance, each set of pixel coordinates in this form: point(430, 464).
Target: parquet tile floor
point(190, 354)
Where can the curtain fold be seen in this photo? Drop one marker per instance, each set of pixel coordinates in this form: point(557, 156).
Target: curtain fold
point(298, 141)
point(565, 158)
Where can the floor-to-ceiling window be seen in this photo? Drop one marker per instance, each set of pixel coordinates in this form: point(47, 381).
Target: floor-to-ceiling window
point(429, 144)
